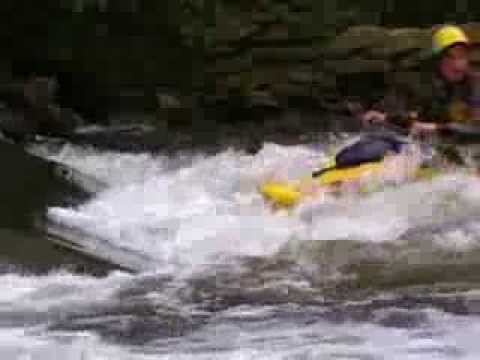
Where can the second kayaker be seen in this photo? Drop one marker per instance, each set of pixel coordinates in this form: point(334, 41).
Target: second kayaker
point(452, 96)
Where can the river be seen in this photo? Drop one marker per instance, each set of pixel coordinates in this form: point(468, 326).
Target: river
point(217, 275)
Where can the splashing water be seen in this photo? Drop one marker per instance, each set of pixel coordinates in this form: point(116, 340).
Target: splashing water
point(208, 210)
point(233, 279)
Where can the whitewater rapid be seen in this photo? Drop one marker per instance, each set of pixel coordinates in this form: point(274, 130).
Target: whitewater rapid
point(197, 210)
point(243, 332)
point(227, 278)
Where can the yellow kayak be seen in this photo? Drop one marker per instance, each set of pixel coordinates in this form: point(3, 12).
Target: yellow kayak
point(287, 194)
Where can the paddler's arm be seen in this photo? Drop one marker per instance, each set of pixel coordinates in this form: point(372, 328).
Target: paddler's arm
point(409, 122)
point(425, 128)
point(416, 125)
point(393, 110)
point(403, 120)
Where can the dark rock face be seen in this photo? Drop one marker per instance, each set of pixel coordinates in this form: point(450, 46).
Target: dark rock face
point(143, 56)
point(30, 109)
point(29, 184)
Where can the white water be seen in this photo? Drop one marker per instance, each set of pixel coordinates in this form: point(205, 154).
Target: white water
point(195, 212)
point(261, 334)
point(210, 211)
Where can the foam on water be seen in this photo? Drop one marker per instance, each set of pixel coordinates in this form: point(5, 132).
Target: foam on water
point(29, 304)
point(108, 167)
point(208, 209)
point(238, 333)
point(386, 215)
point(33, 344)
point(56, 293)
point(187, 215)
point(436, 339)
point(201, 210)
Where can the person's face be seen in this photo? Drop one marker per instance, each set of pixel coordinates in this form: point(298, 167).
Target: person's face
point(455, 63)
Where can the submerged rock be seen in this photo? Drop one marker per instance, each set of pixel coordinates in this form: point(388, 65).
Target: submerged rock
point(29, 184)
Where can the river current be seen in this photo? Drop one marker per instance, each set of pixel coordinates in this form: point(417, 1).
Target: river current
point(217, 274)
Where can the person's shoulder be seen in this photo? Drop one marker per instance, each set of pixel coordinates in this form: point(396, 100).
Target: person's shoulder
point(473, 76)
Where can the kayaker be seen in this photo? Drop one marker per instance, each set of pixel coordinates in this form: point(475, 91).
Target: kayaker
point(454, 94)
point(370, 162)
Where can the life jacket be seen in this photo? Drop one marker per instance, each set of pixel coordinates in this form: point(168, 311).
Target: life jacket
point(456, 102)
point(370, 148)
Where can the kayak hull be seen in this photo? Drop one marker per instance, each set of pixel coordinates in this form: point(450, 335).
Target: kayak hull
point(286, 194)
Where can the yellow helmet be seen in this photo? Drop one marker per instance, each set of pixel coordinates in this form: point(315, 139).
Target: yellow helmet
point(447, 36)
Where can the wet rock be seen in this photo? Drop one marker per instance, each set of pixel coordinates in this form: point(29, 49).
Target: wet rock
point(29, 184)
point(401, 41)
point(230, 65)
point(357, 65)
point(263, 99)
point(30, 109)
point(168, 101)
point(413, 60)
point(287, 54)
point(302, 76)
point(356, 39)
point(243, 53)
point(285, 91)
point(473, 31)
point(278, 59)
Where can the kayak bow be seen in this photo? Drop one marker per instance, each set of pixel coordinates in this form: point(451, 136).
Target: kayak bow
point(287, 194)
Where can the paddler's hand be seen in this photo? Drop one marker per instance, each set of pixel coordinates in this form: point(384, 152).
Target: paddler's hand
point(419, 128)
point(372, 117)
